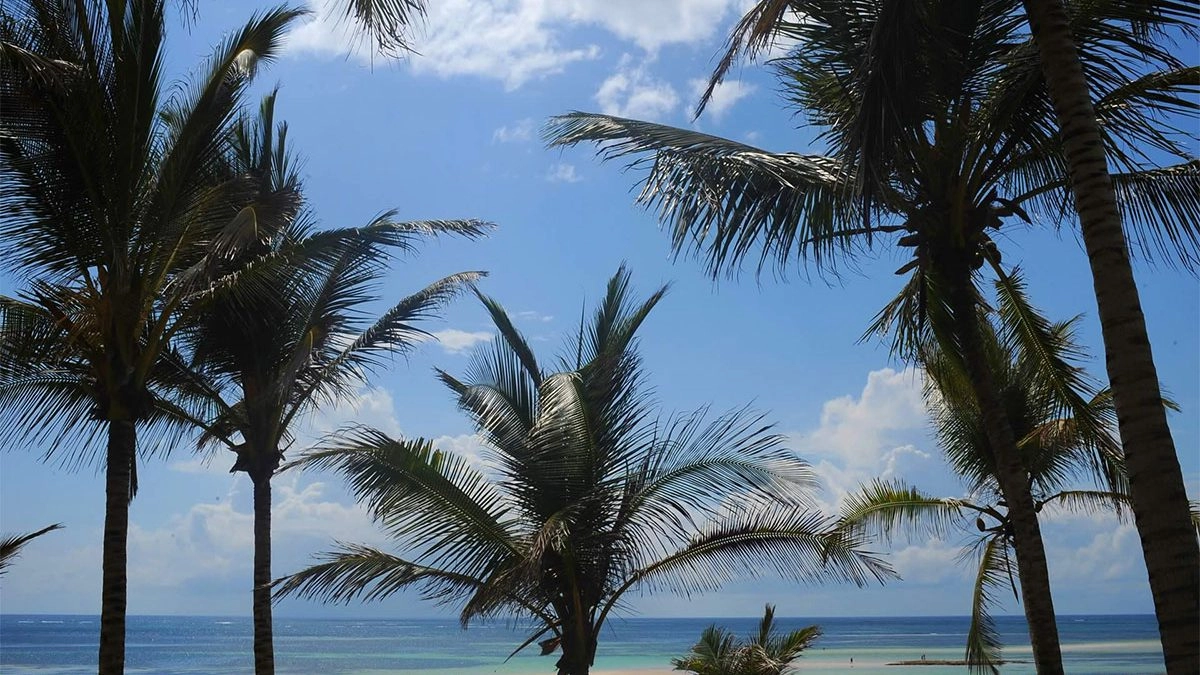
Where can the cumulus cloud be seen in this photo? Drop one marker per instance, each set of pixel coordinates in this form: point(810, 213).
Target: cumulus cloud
point(633, 92)
point(724, 96)
point(516, 41)
point(930, 562)
point(563, 173)
point(858, 432)
point(520, 132)
point(651, 25)
point(371, 406)
point(455, 341)
point(327, 33)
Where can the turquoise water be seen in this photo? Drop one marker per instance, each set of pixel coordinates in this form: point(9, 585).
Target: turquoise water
point(183, 645)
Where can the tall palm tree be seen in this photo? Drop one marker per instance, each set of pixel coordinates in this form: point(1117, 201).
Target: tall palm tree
point(297, 338)
point(587, 495)
point(765, 653)
point(10, 547)
point(1078, 55)
point(940, 160)
point(1160, 501)
point(112, 212)
point(1056, 449)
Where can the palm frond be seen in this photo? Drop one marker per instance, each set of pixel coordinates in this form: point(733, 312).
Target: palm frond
point(796, 543)
point(890, 508)
point(360, 572)
point(692, 462)
point(983, 638)
point(10, 547)
point(423, 494)
point(386, 22)
point(723, 198)
point(1090, 502)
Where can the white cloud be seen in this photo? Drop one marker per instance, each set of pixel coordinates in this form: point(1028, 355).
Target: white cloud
point(856, 431)
point(327, 33)
point(724, 97)
point(651, 24)
point(633, 92)
point(563, 173)
point(868, 437)
point(531, 315)
point(217, 539)
point(931, 562)
point(515, 41)
point(210, 464)
point(520, 132)
point(455, 341)
point(467, 446)
point(371, 406)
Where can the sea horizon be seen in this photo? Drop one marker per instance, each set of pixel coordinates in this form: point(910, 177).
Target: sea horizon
point(64, 644)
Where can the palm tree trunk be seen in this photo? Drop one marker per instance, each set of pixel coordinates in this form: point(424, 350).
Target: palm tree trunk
point(264, 648)
point(1160, 504)
point(576, 657)
point(120, 453)
point(1033, 573)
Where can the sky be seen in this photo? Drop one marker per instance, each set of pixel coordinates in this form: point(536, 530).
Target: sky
point(454, 132)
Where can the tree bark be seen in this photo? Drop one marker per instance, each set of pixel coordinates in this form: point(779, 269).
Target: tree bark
point(577, 650)
point(118, 475)
point(1160, 504)
point(1033, 573)
point(264, 646)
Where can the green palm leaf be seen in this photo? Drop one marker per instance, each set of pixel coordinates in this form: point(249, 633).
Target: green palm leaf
point(10, 547)
point(983, 638)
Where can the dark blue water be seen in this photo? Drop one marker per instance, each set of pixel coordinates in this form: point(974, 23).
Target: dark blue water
point(178, 645)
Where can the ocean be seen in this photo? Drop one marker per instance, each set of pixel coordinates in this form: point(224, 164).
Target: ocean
point(204, 645)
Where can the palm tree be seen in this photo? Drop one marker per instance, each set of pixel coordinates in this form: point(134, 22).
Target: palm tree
point(1056, 449)
point(10, 547)
point(1160, 501)
point(1077, 54)
point(586, 497)
point(719, 653)
point(112, 212)
point(940, 159)
point(296, 339)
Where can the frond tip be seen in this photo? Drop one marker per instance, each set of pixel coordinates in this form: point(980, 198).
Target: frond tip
point(10, 547)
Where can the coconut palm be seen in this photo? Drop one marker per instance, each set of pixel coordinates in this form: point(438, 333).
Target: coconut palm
point(1080, 53)
point(1057, 451)
point(1160, 501)
point(765, 653)
point(10, 547)
point(585, 496)
point(296, 338)
point(112, 213)
point(939, 160)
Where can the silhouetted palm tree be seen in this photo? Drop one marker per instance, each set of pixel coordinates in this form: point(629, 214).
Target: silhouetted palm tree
point(1160, 501)
point(940, 151)
point(1056, 449)
point(112, 212)
point(588, 495)
point(1078, 51)
point(765, 653)
point(296, 337)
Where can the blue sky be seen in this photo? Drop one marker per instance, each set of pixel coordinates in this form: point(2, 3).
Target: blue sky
point(453, 132)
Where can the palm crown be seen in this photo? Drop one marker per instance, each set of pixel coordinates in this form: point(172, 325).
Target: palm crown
point(1058, 450)
point(586, 498)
